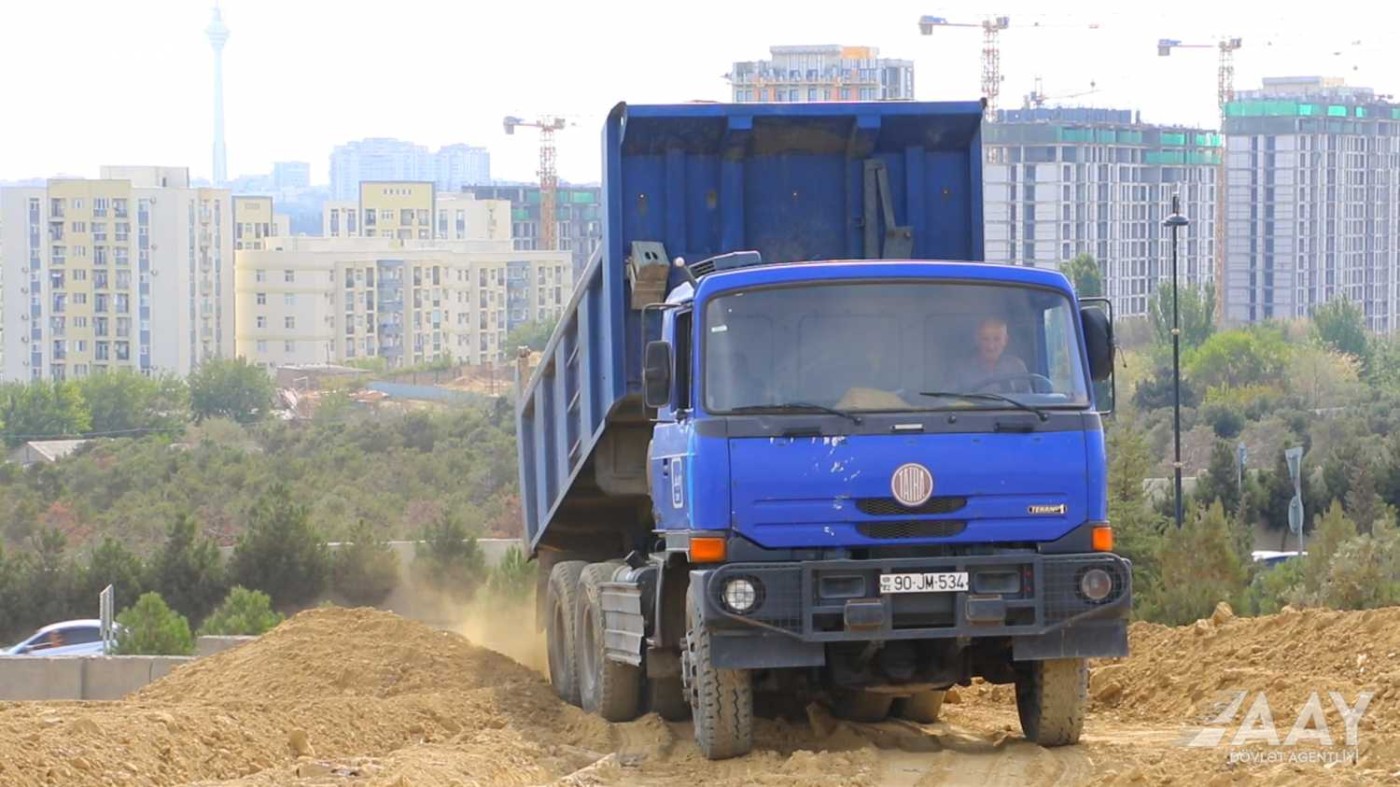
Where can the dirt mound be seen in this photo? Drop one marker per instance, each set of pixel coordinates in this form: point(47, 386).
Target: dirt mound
point(336, 652)
point(1184, 673)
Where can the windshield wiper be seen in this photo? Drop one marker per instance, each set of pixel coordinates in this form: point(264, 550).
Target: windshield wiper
point(797, 407)
point(989, 397)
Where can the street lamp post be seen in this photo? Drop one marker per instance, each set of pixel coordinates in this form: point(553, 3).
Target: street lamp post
point(1176, 221)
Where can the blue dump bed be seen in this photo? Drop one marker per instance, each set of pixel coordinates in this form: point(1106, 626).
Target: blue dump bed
point(791, 181)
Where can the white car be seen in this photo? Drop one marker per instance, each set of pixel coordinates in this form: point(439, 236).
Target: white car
point(68, 638)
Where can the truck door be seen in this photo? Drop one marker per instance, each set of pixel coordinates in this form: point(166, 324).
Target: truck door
point(672, 444)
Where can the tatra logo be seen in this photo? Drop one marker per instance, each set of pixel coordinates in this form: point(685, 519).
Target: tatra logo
point(912, 485)
point(1047, 509)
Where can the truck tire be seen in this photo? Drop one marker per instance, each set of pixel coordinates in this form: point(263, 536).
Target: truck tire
point(721, 700)
point(862, 706)
point(1050, 698)
point(561, 608)
point(611, 689)
point(666, 698)
point(921, 708)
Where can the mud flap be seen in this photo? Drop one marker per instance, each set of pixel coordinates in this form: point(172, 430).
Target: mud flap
point(624, 623)
point(1089, 640)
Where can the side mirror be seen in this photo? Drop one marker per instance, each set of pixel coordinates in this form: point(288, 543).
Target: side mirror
point(656, 374)
point(1098, 340)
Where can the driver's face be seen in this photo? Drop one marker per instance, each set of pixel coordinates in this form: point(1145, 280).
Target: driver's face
point(991, 341)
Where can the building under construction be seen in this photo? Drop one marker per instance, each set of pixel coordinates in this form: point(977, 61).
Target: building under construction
point(1314, 201)
point(1061, 182)
point(822, 73)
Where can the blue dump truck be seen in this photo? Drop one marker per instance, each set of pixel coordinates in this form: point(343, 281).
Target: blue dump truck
point(790, 435)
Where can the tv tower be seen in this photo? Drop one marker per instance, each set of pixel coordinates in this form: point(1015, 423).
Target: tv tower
point(217, 34)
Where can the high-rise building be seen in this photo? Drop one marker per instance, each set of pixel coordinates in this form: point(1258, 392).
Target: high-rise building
point(333, 300)
point(416, 211)
point(217, 33)
point(255, 221)
point(383, 159)
point(291, 175)
point(1313, 202)
point(577, 211)
point(131, 270)
point(1061, 182)
point(822, 73)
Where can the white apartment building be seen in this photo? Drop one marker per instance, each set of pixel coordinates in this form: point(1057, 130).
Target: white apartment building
point(333, 300)
point(130, 270)
point(416, 210)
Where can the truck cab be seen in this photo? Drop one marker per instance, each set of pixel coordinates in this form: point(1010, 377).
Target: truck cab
point(793, 435)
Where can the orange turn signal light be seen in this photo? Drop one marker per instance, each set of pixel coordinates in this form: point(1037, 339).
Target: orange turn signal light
point(1103, 538)
point(707, 549)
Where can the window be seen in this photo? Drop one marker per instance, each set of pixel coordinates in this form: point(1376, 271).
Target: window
point(262, 299)
point(289, 346)
point(260, 276)
point(262, 321)
point(289, 299)
point(289, 276)
point(290, 323)
point(262, 345)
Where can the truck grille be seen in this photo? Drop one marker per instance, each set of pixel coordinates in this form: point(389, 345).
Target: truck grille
point(935, 528)
point(888, 506)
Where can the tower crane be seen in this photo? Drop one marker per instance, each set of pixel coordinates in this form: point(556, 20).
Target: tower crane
point(1225, 93)
point(1037, 98)
point(549, 175)
point(991, 26)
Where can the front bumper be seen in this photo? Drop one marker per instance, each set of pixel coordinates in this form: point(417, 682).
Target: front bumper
point(1032, 597)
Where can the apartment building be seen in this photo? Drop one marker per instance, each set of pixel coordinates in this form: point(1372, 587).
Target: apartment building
point(822, 73)
point(578, 217)
point(254, 220)
point(1060, 182)
point(450, 168)
point(409, 210)
point(132, 270)
point(1314, 201)
point(334, 300)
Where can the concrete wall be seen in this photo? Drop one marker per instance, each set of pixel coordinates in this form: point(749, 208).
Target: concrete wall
point(81, 677)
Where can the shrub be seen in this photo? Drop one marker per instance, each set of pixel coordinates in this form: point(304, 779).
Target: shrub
point(244, 613)
point(448, 560)
point(513, 578)
point(150, 628)
point(365, 570)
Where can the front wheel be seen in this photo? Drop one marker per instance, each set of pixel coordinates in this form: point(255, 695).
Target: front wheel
point(721, 700)
point(1050, 698)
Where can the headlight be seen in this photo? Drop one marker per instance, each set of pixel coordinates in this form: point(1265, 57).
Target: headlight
point(1096, 584)
point(740, 595)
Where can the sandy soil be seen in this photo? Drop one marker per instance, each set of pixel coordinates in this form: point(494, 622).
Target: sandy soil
point(366, 698)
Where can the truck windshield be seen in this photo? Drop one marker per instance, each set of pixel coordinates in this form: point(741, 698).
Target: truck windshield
point(891, 346)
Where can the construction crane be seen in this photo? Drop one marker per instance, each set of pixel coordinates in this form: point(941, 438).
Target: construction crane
point(1037, 98)
point(1225, 93)
point(992, 26)
point(549, 175)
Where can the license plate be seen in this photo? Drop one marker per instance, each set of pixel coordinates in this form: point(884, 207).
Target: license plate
point(950, 582)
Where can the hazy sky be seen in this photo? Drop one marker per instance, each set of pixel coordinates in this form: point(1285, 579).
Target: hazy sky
point(92, 82)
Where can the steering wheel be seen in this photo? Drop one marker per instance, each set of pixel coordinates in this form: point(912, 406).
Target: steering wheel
point(1037, 381)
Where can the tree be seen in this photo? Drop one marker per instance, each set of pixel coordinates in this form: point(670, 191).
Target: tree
point(112, 564)
point(188, 570)
point(534, 335)
point(41, 410)
point(245, 613)
point(150, 628)
point(1196, 306)
point(1256, 356)
point(233, 389)
point(365, 570)
point(1083, 272)
point(127, 402)
point(1341, 325)
point(1200, 566)
point(1221, 479)
point(280, 552)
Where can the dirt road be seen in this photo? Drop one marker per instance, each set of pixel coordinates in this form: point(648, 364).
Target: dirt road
point(361, 697)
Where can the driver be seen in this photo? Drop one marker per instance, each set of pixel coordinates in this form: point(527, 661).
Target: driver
point(990, 361)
